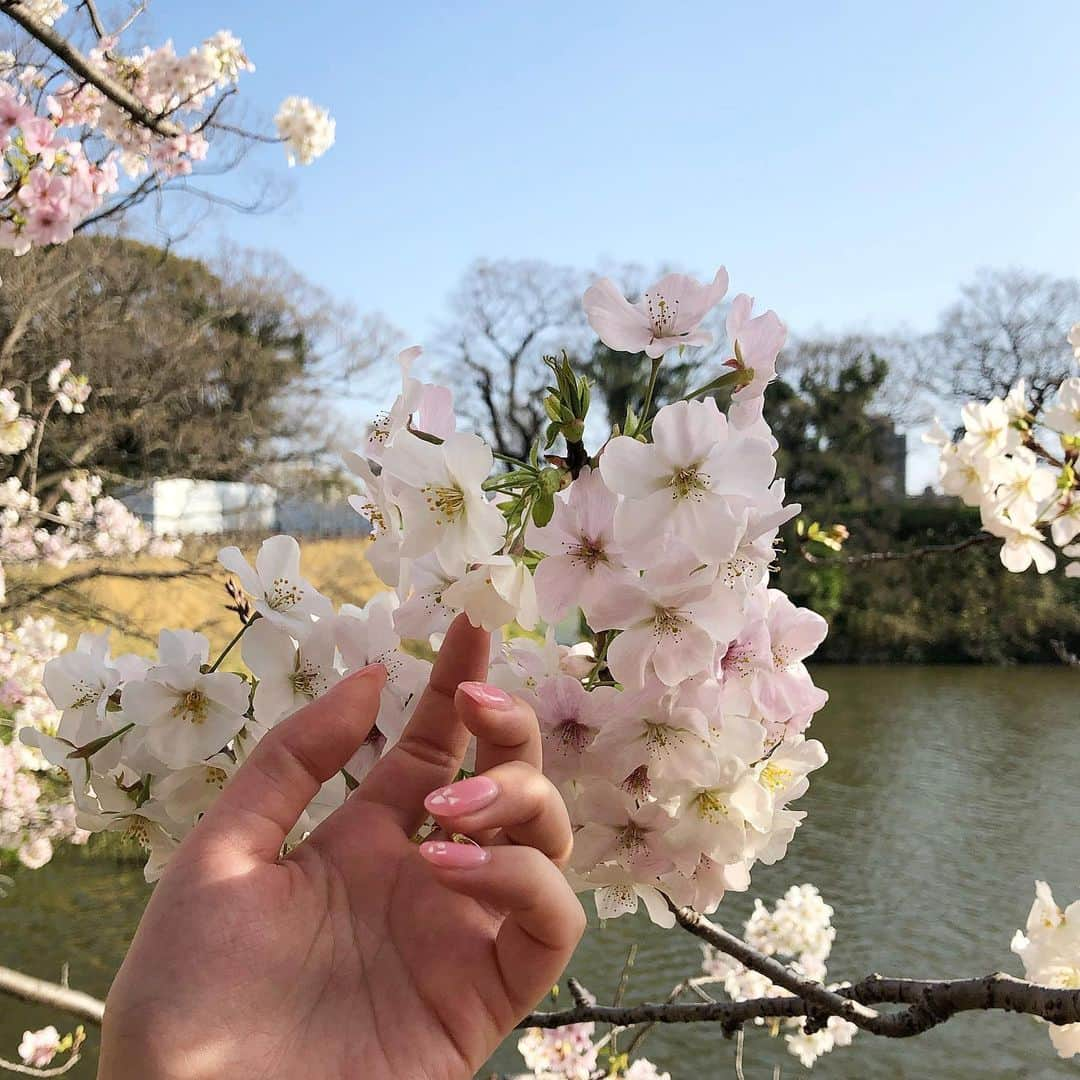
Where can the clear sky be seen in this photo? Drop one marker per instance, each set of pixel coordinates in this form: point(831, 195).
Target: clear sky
point(850, 163)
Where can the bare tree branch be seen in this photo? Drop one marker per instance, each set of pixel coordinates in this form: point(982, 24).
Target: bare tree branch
point(40, 992)
point(57, 44)
point(900, 556)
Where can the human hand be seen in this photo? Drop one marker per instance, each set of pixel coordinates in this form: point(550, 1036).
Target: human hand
point(360, 953)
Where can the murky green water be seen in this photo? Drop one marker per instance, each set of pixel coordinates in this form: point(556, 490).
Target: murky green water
point(948, 791)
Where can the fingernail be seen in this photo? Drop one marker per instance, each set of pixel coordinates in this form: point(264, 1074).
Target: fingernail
point(454, 856)
point(490, 697)
point(463, 797)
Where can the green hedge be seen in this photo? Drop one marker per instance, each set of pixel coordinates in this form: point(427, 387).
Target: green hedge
point(960, 608)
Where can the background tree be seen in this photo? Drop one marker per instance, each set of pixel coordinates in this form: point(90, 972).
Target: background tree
point(1007, 325)
point(507, 315)
point(209, 372)
point(835, 438)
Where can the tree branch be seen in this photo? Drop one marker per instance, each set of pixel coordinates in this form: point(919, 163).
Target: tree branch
point(899, 556)
point(115, 91)
point(931, 1002)
point(40, 992)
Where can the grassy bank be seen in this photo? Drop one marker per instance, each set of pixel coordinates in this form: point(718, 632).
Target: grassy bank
point(136, 610)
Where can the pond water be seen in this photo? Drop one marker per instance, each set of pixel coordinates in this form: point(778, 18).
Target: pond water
point(948, 791)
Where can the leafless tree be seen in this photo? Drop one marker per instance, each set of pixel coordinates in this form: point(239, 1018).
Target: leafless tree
point(507, 315)
point(1007, 325)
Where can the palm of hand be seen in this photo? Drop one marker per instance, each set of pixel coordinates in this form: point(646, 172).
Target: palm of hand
point(355, 955)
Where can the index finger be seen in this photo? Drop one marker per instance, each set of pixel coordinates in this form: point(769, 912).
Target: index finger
point(430, 750)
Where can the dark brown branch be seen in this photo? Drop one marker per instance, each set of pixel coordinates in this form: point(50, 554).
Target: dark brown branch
point(899, 556)
point(22, 598)
point(61, 48)
point(931, 1002)
point(814, 994)
point(90, 7)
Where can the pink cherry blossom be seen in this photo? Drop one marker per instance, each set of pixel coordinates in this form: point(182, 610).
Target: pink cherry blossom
point(584, 563)
point(669, 314)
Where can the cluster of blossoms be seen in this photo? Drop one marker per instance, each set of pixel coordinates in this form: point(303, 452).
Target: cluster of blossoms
point(569, 1053)
point(306, 129)
point(36, 809)
point(84, 524)
point(1049, 947)
point(673, 721)
point(1017, 462)
point(799, 931)
point(63, 150)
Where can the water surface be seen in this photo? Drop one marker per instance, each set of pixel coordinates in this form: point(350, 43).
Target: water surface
point(948, 791)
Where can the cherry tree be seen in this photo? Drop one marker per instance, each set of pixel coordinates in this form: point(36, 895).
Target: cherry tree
point(675, 705)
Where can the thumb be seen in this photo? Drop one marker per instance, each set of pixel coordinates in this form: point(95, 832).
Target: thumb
point(266, 797)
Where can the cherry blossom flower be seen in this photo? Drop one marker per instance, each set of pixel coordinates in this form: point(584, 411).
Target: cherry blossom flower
point(497, 592)
point(280, 593)
point(432, 405)
point(16, 430)
point(622, 830)
point(584, 563)
point(188, 715)
point(655, 732)
point(1063, 415)
point(306, 128)
point(696, 481)
point(989, 430)
point(290, 675)
point(442, 504)
point(367, 636)
point(671, 622)
point(570, 718)
point(1049, 948)
point(38, 1048)
point(668, 314)
point(759, 340)
point(422, 611)
point(378, 505)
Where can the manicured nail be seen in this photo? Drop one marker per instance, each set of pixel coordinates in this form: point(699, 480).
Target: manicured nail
point(486, 695)
point(463, 797)
point(454, 856)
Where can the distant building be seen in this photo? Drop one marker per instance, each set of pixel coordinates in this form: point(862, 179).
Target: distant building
point(890, 451)
point(182, 507)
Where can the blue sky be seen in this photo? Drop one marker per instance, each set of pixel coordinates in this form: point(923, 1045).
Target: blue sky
point(850, 163)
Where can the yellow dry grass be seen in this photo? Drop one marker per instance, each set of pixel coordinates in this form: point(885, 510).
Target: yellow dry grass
point(337, 567)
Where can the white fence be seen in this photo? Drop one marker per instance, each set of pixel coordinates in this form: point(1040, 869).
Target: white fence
point(181, 507)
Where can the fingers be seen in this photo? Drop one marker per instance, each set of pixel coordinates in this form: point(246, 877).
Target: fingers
point(266, 797)
point(505, 727)
point(544, 921)
point(430, 750)
point(513, 797)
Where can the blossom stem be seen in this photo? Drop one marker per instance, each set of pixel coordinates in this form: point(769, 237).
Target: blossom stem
point(228, 648)
point(650, 390)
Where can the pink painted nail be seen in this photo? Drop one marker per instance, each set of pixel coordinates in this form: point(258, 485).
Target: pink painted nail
point(454, 856)
point(486, 695)
point(463, 797)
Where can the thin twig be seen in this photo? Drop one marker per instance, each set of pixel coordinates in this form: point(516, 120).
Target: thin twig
point(899, 556)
